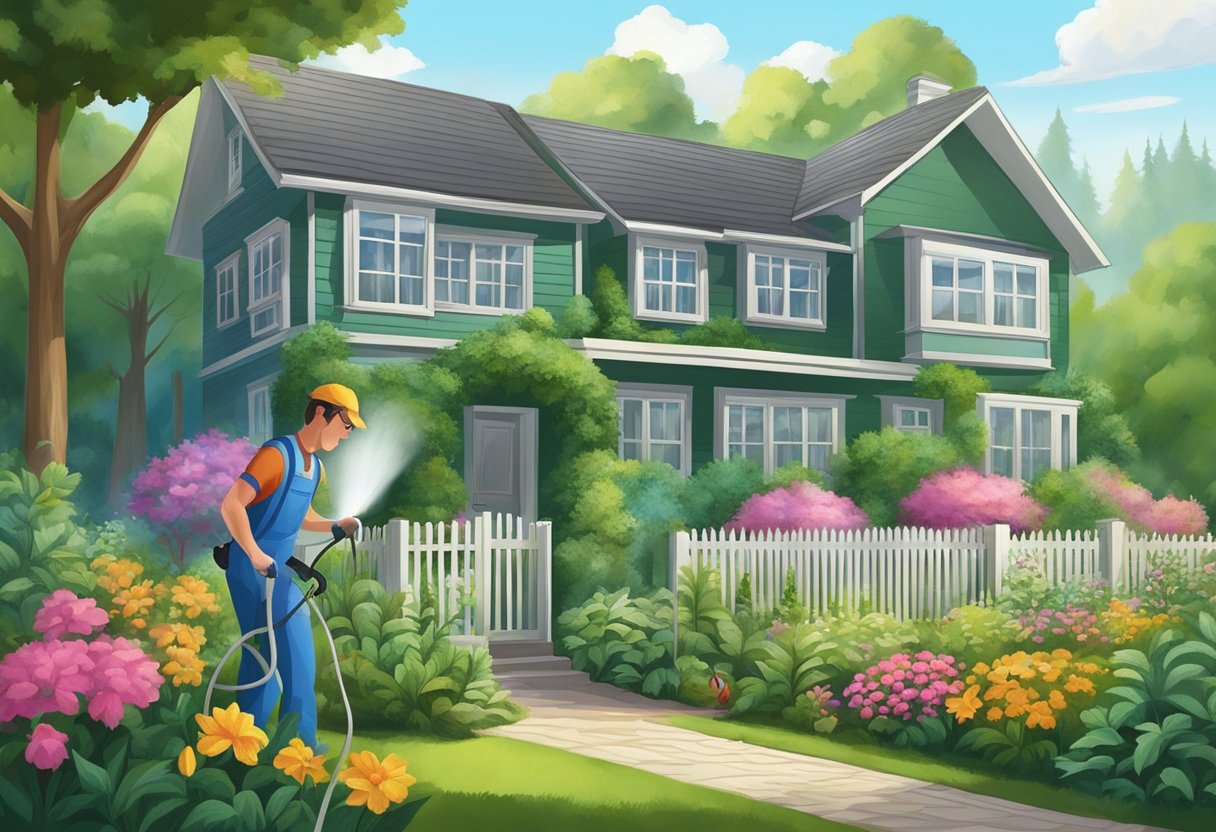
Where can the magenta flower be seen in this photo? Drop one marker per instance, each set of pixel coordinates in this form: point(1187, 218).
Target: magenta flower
point(63, 612)
point(802, 505)
point(123, 675)
point(964, 497)
point(44, 677)
point(48, 748)
point(904, 688)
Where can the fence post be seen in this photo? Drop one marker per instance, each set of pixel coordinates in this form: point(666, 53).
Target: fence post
point(544, 579)
point(482, 569)
point(996, 557)
point(679, 554)
point(393, 556)
point(1112, 551)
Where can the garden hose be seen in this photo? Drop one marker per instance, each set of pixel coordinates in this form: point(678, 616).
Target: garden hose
point(272, 669)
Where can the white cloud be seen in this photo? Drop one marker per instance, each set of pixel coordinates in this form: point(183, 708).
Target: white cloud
point(1127, 37)
point(694, 52)
point(386, 62)
point(806, 56)
point(1127, 105)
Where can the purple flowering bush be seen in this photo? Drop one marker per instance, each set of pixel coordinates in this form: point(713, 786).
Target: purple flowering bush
point(1072, 627)
point(964, 497)
point(179, 495)
point(799, 506)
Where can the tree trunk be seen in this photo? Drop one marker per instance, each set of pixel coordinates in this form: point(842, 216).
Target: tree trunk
point(45, 438)
point(131, 430)
point(179, 410)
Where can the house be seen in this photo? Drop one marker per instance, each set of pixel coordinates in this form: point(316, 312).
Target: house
point(410, 217)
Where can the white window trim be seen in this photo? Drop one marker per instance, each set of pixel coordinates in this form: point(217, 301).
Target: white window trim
point(283, 298)
point(233, 261)
point(250, 389)
point(919, 250)
point(453, 233)
point(661, 392)
point(747, 267)
point(235, 175)
point(353, 206)
point(636, 293)
point(984, 402)
point(726, 396)
point(892, 405)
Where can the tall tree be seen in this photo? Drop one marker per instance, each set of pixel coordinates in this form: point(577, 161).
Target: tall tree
point(1126, 198)
point(1086, 204)
point(64, 55)
point(1055, 158)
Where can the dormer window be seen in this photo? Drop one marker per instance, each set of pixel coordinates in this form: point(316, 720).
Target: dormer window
point(234, 160)
point(785, 287)
point(669, 280)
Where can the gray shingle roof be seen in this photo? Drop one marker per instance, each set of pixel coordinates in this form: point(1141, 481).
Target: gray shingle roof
point(864, 159)
point(353, 128)
point(672, 181)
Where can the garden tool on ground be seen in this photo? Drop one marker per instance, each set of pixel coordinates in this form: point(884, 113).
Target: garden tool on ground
point(317, 586)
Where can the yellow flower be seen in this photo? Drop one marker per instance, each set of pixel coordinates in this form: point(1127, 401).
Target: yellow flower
point(964, 707)
point(1056, 701)
point(1039, 714)
point(994, 714)
point(186, 761)
point(230, 728)
point(297, 761)
point(1078, 684)
point(375, 783)
point(190, 593)
point(184, 666)
point(135, 601)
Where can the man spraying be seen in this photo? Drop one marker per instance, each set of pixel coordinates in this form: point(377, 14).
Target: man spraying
point(264, 511)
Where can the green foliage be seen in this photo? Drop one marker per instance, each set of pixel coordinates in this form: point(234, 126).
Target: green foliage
point(901, 734)
point(792, 472)
point(858, 641)
point(699, 597)
point(636, 94)
point(716, 491)
point(401, 669)
point(969, 630)
point(1102, 431)
point(743, 595)
point(650, 494)
point(41, 547)
point(433, 492)
point(786, 667)
point(1153, 737)
point(721, 331)
point(1073, 502)
point(955, 386)
point(878, 469)
point(1015, 748)
point(622, 640)
point(578, 319)
point(791, 610)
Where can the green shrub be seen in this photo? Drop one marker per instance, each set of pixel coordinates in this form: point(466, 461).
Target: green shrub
point(400, 667)
point(787, 666)
point(1102, 432)
point(650, 493)
point(715, 492)
point(578, 319)
point(877, 470)
point(721, 331)
point(792, 472)
point(970, 630)
point(955, 386)
point(622, 640)
point(1073, 502)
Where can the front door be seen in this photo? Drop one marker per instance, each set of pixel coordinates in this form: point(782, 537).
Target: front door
point(500, 460)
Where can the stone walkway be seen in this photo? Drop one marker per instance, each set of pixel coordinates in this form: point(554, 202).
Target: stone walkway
point(573, 714)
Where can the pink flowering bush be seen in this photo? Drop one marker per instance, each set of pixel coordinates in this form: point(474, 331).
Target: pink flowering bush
point(48, 748)
point(179, 494)
point(1071, 627)
point(1136, 505)
point(62, 612)
point(964, 497)
point(904, 687)
point(801, 505)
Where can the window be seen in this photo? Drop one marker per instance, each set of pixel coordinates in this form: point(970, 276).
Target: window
point(234, 160)
point(389, 253)
point(482, 272)
point(654, 422)
point(785, 288)
point(914, 419)
point(669, 281)
point(226, 275)
point(775, 428)
point(912, 414)
point(261, 423)
point(1028, 434)
point(268, 283)
point(976, 290)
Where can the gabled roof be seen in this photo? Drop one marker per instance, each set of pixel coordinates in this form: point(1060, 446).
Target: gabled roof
point(849, 167)
point(674, 182)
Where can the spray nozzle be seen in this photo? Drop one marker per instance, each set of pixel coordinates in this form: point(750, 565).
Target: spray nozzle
point(338, 532)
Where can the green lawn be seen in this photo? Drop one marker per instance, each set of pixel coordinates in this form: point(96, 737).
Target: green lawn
point(966, 773)
point(506, 785)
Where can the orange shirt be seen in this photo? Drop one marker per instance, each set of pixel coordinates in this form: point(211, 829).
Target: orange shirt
point(266, 472)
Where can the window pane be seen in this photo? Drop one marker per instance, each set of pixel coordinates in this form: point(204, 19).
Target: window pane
point(631, 450)
point(1034, 462)
point(412, 291)
point(819, 424)
point(411, 260)
point(686, 271)
point(755, 453)
point(970, 307)
point(515, 254)
point(787, 424)
point(817, 457)
point(686, 300)
point(665, 267)
point(513, 297)
point(1002, 310)
point(1002, 461)
point(1002, 426)
point(377, 257)
point(786, 453)
point(1002, 278)
point(753, 424)
point(943, 272)
point(460, 257)
point(1036, 428)
point(1026, 280)
point(650, 265)
point(1065, 440)
point(971, 275)
point(376, 225)
point(734, 423)
point(666, 453)
point(761, 271)
point(800, 305)
point(1027, 313)
point(657, 423)
point(943, 305)
point(922, 418)
point(412, 230)
point(763, 306)
point(776, 301)
point(631, 419)
point(515, 275)
point(667, 421)
point(779, 272)
point(800, 274)
point(907, 418)
point(441, 289)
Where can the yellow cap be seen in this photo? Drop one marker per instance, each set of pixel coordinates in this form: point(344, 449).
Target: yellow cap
point(343, 397)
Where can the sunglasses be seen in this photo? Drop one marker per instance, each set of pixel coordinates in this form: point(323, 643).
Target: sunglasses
point(347, 422)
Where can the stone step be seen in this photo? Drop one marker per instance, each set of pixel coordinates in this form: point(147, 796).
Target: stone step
point(535, 678)
point(519, 649)
point(518, 663)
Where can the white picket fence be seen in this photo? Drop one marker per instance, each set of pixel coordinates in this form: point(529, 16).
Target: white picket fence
point(911, 572)
point(493, 572)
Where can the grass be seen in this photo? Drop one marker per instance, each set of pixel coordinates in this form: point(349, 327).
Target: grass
point(966, 773)
point(510, 785)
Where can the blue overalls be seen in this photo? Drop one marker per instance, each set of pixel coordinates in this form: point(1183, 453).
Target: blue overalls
point(275, 522)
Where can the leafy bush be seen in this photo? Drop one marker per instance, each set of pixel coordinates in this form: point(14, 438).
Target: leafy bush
point(792, 472)
point(578, 319)
point(802, 506)
point(622, 640)
point(964, 497)
point(1101, 430)
point(814, 711)
point(401, 669)
point(878, 469)
point(650, 493)
point(722, 331)
point(969, 630)
point(957, 387)
point(1152, 737)
point(1081, 496)
point(179, 494)
point(41, 547)
point(714, 493)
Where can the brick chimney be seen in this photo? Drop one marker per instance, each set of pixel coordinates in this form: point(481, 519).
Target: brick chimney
point(922, 88)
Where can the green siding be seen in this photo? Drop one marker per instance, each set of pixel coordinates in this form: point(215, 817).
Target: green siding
point(956, 187)
point(225, 397)
point(982, 345)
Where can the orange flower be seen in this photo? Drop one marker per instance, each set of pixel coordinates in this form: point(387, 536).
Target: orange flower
point(297, 761)
point(1078, 684)
point(230, 728)
point(1039, 714)
point(1056, 700)
point(376, 783)
point(964, 707)
point(186, 761)
point(994, 714)
point(191, 595)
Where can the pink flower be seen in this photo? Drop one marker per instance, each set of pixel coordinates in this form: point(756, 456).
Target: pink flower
point(47, 749)
point(44, 677)
point(866, 713)
point(964, 497)
point(800, 506)
point(63, 612)
point(123, 675)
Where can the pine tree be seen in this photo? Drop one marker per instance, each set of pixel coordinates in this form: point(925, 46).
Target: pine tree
point(1126, 198)
point(1207, 178)
point(1086, 204)
point(1055, 158)
point(1184, 183)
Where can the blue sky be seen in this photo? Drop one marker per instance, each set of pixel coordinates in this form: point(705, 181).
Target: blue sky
point(1163, 51)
